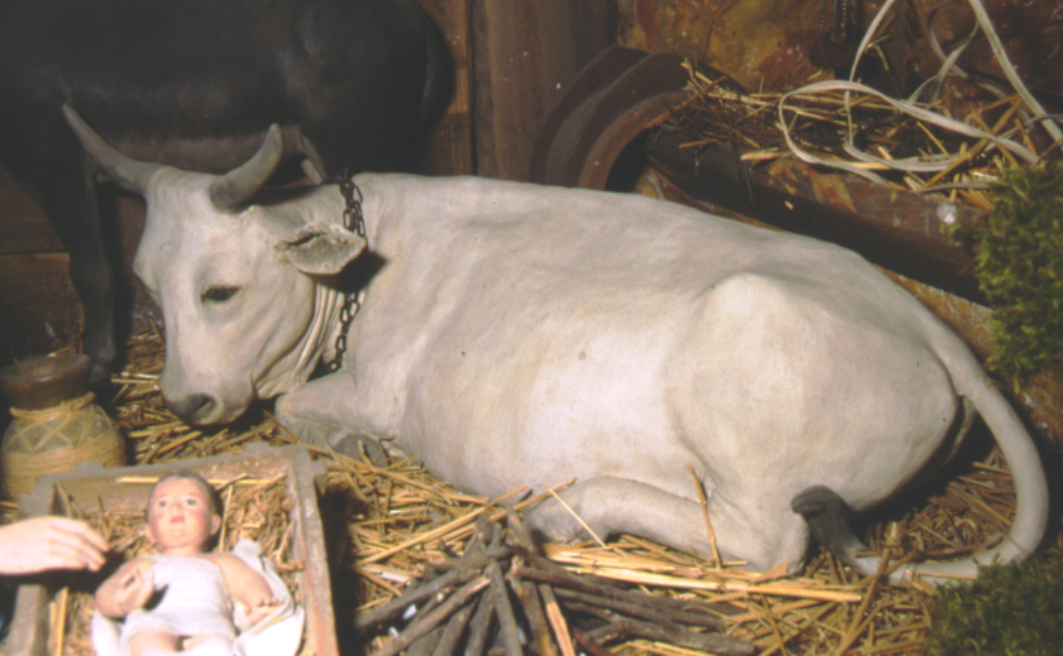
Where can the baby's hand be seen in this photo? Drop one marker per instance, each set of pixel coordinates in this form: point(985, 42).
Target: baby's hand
point(261, 609)
point(135, 583)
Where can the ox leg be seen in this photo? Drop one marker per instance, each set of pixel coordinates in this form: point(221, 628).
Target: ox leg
point(319, 413)
point(69, 200)
point(760, 538)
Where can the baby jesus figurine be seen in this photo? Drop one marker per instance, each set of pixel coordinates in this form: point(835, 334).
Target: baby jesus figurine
point(184, 599)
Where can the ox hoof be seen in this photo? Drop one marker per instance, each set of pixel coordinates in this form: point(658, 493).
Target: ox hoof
point(102, 361)
point(360, 447)
point(828, 519)
point(99, 375)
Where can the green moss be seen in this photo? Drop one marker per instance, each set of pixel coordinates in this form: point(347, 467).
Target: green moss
point(1011, 610)
point(1019, 264)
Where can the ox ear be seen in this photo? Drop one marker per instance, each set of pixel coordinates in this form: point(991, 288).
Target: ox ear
point(320, 248)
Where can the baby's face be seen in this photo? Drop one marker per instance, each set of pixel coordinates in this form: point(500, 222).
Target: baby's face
point(180, 520)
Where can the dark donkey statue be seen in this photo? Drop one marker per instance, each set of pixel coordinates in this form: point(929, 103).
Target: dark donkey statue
point(195, 84)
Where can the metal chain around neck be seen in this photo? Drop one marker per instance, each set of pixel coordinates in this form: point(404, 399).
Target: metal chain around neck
point(353, 220)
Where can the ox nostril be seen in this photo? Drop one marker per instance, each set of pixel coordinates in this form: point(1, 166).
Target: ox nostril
point(193, 408)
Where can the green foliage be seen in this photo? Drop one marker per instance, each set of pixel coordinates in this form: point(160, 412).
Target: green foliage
point(1019, 265)
point(1011, 610)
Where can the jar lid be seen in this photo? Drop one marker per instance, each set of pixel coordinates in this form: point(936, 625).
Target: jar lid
point(44, 381)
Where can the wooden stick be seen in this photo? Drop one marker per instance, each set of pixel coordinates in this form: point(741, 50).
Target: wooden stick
point(427, 622)
point(593, 647)
point(59, 627)
point(522, 535)
point(557, 620)
point(466, 572)
point(224, 516)
point(710, 642)
point(448, 639)
point(705, 512)
point(533, 611)
point(636, 603)
point(478, 627)
point(425, 645)
point(663, 616)
point(507, 623)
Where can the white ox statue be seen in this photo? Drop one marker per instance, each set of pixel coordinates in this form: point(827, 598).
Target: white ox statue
point(516, 335)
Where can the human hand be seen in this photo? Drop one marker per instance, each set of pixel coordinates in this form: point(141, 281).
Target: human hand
point(44, 543)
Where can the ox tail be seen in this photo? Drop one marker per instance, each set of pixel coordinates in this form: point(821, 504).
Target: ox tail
point(1031, 516)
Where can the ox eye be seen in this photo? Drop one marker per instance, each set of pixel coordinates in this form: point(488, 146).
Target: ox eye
point(218, 293)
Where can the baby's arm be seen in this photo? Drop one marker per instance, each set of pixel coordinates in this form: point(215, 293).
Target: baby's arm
point(247, 587)
point(127, 589)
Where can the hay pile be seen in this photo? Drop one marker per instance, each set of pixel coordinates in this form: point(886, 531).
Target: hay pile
point(391, 525)
point(840, 125)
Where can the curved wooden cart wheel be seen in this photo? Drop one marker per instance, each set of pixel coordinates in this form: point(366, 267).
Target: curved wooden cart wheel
point(611, 101)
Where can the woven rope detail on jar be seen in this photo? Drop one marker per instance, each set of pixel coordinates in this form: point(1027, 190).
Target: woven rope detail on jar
point(21, 469)
point(57, 439)
point(55, 411)
point(34, 430)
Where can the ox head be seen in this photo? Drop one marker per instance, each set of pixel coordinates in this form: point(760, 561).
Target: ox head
point(239, 283)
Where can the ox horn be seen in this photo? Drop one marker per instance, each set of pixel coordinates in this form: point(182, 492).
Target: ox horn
point(128, 173)
point(232, 192)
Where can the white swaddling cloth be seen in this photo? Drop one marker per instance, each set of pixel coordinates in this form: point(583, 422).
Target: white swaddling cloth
point(196, 602)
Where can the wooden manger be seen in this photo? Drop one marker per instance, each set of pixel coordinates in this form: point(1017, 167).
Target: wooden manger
point(269, 498)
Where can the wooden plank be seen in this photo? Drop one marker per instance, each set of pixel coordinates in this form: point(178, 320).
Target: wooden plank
point(524, 56)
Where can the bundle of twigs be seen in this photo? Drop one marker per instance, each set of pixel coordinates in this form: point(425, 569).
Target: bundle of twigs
point(459, 597)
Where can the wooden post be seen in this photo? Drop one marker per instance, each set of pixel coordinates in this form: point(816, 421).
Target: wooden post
point(524, 56)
